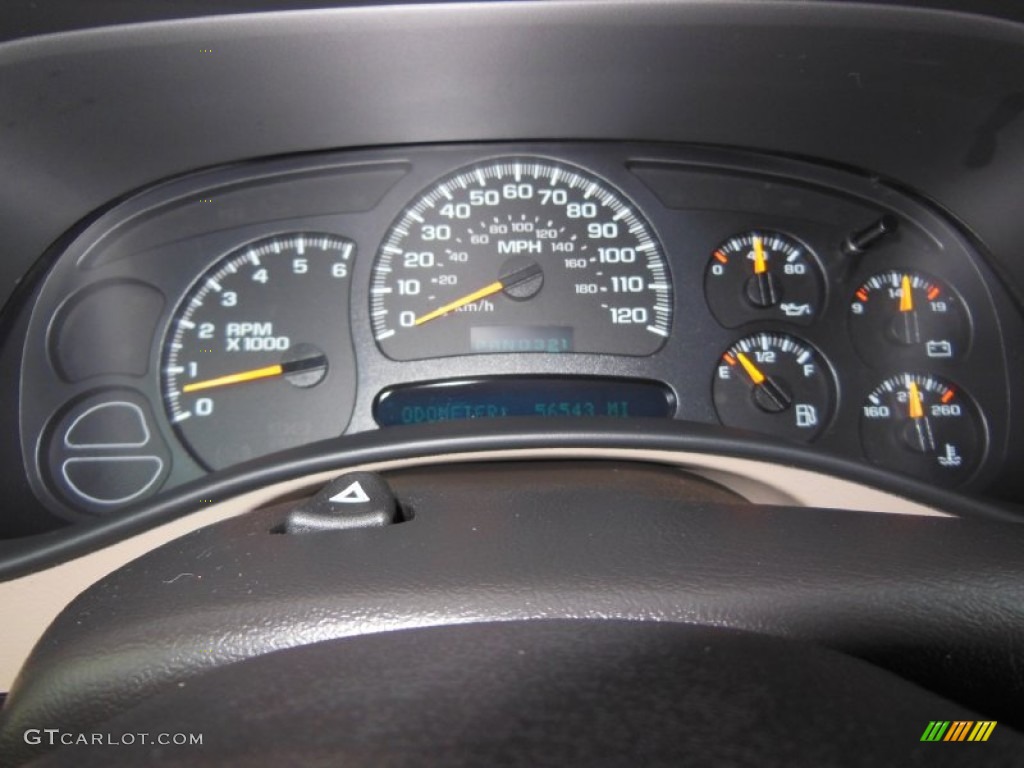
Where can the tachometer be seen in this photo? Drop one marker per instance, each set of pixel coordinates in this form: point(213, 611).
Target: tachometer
point(520, 255)
point(259, 355)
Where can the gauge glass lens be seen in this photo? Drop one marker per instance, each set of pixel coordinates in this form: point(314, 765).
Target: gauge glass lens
point(520, 255)
point(774, 383)
point(925, 426)
point(763, 276)
point(900, 314)
point(258, 356)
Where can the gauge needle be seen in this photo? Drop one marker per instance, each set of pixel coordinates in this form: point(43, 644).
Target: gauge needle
point(469, 298)
point(761, 290)
point(906, 295)
point(923, 430)
point(755, 375)
point(760, 264)
point(916, 411)
point(768, 395)
point(255, 374)
point(505, 282)
point(908, 331)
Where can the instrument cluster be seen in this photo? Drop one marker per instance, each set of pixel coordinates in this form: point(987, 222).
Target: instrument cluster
point(240, 312)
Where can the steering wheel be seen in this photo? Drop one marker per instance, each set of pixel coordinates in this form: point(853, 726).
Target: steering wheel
point(550, 612)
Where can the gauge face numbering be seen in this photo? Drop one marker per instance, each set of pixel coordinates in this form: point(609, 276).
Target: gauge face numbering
point(258, 357)
point(774, 383)
point(520, 255)
point(762, 276)
point(925, 426)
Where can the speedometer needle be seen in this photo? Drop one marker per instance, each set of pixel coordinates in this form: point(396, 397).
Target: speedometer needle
point(469, 298)
point(255, 374)
point(531, 271)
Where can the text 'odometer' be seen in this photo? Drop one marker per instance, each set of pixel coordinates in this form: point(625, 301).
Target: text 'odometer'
point(520, 255)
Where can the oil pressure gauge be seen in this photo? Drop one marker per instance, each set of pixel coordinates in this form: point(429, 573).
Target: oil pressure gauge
point(763, 276)
point(907, 314)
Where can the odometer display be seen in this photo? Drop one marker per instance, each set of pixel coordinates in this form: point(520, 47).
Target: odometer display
point(536, 396)
point(520, 255)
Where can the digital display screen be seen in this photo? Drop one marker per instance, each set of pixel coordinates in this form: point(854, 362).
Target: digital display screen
point(549, 397)
point(520, 338)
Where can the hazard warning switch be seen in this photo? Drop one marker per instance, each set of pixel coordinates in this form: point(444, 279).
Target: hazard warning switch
point(353, 500)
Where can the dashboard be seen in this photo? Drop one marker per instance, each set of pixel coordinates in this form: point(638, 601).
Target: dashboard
point(702, 316)
point(236, 313)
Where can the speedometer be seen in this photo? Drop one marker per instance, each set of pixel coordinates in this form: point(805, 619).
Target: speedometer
point(520, 254)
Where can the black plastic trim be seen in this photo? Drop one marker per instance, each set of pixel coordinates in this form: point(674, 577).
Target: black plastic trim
point(23, 556)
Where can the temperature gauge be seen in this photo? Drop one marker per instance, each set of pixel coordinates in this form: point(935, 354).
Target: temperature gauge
point(774, 383)
point(902, 313)
point(922, 425)
point(763, 276)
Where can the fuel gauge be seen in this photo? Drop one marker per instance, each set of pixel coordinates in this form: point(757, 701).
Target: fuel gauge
point(763, 276)
point(774, 383)
point(906, 314)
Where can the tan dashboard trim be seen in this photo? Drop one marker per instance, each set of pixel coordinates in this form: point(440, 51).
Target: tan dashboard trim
point(28, 604)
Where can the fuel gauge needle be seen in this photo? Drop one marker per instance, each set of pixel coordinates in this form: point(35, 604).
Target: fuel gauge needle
point(771, 397)
point(254, 374)
point(752, 370)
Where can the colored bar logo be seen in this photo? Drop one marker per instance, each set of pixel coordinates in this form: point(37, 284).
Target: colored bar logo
point(958, 730)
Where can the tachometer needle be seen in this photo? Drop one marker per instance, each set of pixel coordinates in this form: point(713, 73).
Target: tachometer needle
point(522, 275)
point(255, 374)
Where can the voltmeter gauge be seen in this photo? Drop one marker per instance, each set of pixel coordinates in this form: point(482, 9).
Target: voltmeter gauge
point(901, 314)
point(774, 383)
point(258, 356)
point(924, 426)
point(763, 276)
